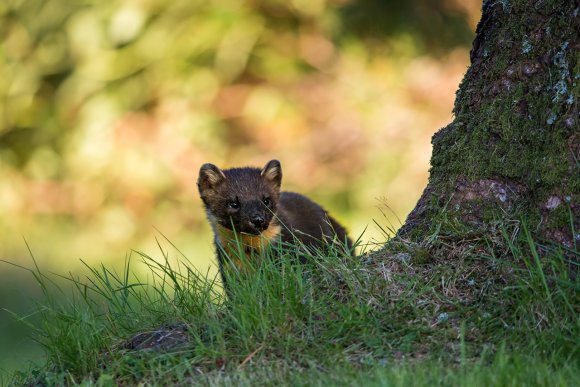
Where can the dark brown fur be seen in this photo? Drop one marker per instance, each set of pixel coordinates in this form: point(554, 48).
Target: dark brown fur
point(247, 202)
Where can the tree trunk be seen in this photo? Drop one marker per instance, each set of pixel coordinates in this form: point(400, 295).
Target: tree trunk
point(513, 149)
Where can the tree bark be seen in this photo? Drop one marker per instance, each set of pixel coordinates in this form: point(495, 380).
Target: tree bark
point(513, 149)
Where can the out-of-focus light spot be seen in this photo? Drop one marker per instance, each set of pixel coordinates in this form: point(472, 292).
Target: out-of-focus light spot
point(23, 82)
point(17, 44)
point(316, 50)
point(91, 148)
point(262, 104)
point(309, 7)
point(52, 50)
point(201, 86)
point(142, 170)
point(11, 199)
point(44, 164)
point(85, 34)
point(126, 23)
point(87, 198)
point(234, 50)
point(117, 224)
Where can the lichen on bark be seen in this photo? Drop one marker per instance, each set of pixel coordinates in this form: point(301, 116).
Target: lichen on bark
point(513, 149)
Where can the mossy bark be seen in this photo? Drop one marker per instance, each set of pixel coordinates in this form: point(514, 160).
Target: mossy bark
point(513, 149)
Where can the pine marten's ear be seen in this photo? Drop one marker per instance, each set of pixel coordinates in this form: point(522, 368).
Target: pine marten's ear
point(272, 172)
point(209, 177)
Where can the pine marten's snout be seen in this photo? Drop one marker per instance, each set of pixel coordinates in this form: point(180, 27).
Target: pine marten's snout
point(257, 219)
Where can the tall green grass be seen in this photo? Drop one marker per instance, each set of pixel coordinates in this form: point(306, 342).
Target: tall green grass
point(506, 314)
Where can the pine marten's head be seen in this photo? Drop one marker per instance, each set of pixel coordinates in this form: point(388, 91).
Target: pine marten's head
point(241, 199)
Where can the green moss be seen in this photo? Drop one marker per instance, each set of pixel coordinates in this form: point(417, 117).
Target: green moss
point(421, 256)
point(559, 218)
point(511, 109)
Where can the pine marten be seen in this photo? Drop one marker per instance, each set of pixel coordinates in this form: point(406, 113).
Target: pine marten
point(245, 206)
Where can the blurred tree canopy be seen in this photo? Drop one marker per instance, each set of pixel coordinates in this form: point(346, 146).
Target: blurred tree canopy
point(435, 27)
point(59, 55)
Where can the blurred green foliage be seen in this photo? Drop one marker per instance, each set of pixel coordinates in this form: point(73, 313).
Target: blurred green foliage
point(60, 58)
point(433, 26)
point(107, 110)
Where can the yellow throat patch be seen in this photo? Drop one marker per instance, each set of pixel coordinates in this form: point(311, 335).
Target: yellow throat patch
point(242, 247)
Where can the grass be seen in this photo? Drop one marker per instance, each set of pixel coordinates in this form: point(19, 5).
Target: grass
point(499, 310)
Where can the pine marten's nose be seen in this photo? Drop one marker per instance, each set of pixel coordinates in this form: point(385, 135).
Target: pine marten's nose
point(257, 221)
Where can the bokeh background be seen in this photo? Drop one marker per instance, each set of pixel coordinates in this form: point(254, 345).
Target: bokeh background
point(108, 109)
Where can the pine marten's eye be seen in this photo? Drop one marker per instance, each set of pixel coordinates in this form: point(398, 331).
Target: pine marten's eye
point(267, 202)
point(233, 205)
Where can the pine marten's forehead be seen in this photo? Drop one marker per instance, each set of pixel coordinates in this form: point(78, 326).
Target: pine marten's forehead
point(246, 182)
